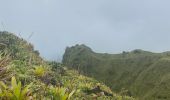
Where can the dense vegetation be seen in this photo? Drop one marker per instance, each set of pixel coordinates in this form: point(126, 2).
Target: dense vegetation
point(144, 75)
point(24, 75)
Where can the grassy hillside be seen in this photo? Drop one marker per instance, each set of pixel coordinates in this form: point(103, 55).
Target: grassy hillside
point(142, 74)
point(24, 75)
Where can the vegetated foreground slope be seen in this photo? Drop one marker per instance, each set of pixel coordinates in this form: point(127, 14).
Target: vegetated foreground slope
point(24, 75)
point(143, 74)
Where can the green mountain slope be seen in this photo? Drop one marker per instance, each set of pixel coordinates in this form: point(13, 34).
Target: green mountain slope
point(24, 75)
point(19, 48)
point(143, 74)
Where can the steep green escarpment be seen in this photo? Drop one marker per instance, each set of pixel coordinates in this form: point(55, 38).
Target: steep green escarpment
point(143, 74)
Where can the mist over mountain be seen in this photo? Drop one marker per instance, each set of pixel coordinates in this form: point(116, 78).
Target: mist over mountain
point(106, 26)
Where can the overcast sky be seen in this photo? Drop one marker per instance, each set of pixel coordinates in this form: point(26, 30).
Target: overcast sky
point(110, 26)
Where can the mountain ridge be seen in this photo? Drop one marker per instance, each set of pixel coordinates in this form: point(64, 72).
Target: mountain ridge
point(129, 70)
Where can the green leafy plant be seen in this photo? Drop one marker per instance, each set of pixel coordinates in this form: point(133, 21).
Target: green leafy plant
point(39, 71)
point(15, 91)
point(60, 93)
point(4, 62)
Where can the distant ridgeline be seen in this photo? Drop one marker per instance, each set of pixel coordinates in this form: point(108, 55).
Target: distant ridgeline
point(143, 74)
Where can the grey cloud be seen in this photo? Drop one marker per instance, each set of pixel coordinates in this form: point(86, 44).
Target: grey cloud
point(105, 25)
